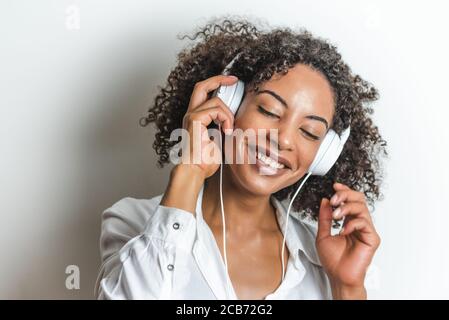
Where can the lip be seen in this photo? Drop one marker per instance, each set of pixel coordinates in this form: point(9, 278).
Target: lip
point(266, 170)
point(272, 154)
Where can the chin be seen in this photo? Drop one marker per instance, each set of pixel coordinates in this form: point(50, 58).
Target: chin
point(250, 180)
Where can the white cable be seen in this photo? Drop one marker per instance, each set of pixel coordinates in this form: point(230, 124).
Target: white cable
point(223, 216)
point(286, 222)
point(221, 201)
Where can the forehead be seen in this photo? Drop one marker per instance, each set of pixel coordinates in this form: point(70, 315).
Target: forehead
point(304, 89)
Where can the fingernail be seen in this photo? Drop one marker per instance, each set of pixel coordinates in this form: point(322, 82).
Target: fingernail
point(341, 230)
point(228, 132)
point(336, 213)
point(233, 77)
point(334, 199)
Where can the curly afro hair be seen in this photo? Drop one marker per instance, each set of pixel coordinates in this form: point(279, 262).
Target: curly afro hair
point(264, 53)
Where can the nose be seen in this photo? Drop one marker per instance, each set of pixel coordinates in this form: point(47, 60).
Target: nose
point(280, 139)
point(285, 137)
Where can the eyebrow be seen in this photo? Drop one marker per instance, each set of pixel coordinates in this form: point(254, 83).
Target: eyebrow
point(284, 103)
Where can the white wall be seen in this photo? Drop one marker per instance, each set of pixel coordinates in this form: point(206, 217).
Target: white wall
point(71, 145)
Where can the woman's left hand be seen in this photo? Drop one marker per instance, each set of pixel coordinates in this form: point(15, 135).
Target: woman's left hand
point(346, 257)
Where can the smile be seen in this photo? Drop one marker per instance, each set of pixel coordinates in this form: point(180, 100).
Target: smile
point(269, 161)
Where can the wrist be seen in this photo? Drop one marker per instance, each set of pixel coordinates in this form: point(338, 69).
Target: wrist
point(345, 292)
point(187, 174)
point(183, 187)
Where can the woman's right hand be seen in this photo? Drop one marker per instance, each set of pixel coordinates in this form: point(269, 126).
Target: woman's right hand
point(203, 111)
point(186, 179)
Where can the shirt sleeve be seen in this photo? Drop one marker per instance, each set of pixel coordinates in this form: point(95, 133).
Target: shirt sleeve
point(141, 267)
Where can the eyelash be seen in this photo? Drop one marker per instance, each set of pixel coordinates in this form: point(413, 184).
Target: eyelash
point(310, 135)
point(269, 114)
point(262, 110)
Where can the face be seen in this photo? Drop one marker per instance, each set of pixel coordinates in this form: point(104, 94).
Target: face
point(299, 106)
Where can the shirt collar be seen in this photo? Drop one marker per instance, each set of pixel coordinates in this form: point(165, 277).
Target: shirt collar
point(213, 269)
point(300, 235)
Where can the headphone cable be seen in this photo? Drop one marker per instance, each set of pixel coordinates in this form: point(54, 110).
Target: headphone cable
point(286, 222)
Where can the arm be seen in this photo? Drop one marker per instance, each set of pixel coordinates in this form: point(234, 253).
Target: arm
point(127, 273)
point(127, 248)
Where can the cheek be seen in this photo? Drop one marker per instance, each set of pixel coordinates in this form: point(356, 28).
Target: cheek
point(240, 116)
point(244, 120)
point(305, 154)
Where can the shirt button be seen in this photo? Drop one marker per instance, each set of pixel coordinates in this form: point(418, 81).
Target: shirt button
point(170, 267)
point(176, 226)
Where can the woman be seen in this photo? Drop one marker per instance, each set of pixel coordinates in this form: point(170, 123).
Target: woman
point(170, 246)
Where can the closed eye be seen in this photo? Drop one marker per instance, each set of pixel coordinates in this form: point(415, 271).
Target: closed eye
point(307, 133)
point(268, 113)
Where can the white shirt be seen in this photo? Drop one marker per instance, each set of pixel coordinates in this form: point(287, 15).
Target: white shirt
point(150, 251)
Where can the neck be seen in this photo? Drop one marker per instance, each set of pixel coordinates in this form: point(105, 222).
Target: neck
point(243, 209)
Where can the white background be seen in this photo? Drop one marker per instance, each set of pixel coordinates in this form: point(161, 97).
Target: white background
point(71, 145)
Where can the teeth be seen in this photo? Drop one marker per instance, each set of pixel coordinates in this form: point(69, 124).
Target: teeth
point(269, 161)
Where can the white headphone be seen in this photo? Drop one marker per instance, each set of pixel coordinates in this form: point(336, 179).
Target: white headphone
point(328, 152)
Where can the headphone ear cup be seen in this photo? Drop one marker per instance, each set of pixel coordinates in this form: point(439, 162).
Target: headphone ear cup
point(329, 151)
point(237, 97)
point(231, 95)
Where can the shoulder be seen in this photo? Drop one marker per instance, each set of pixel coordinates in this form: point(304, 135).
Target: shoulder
point(124, 220)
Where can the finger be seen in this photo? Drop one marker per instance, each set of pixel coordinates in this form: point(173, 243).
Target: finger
point(324, 219)
point(354, 224)
point(346, 195)
point(364, 229)
point(217, 102)
point(340, 186)
point(202, 88)
point(208, 115)
point(356, 209)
